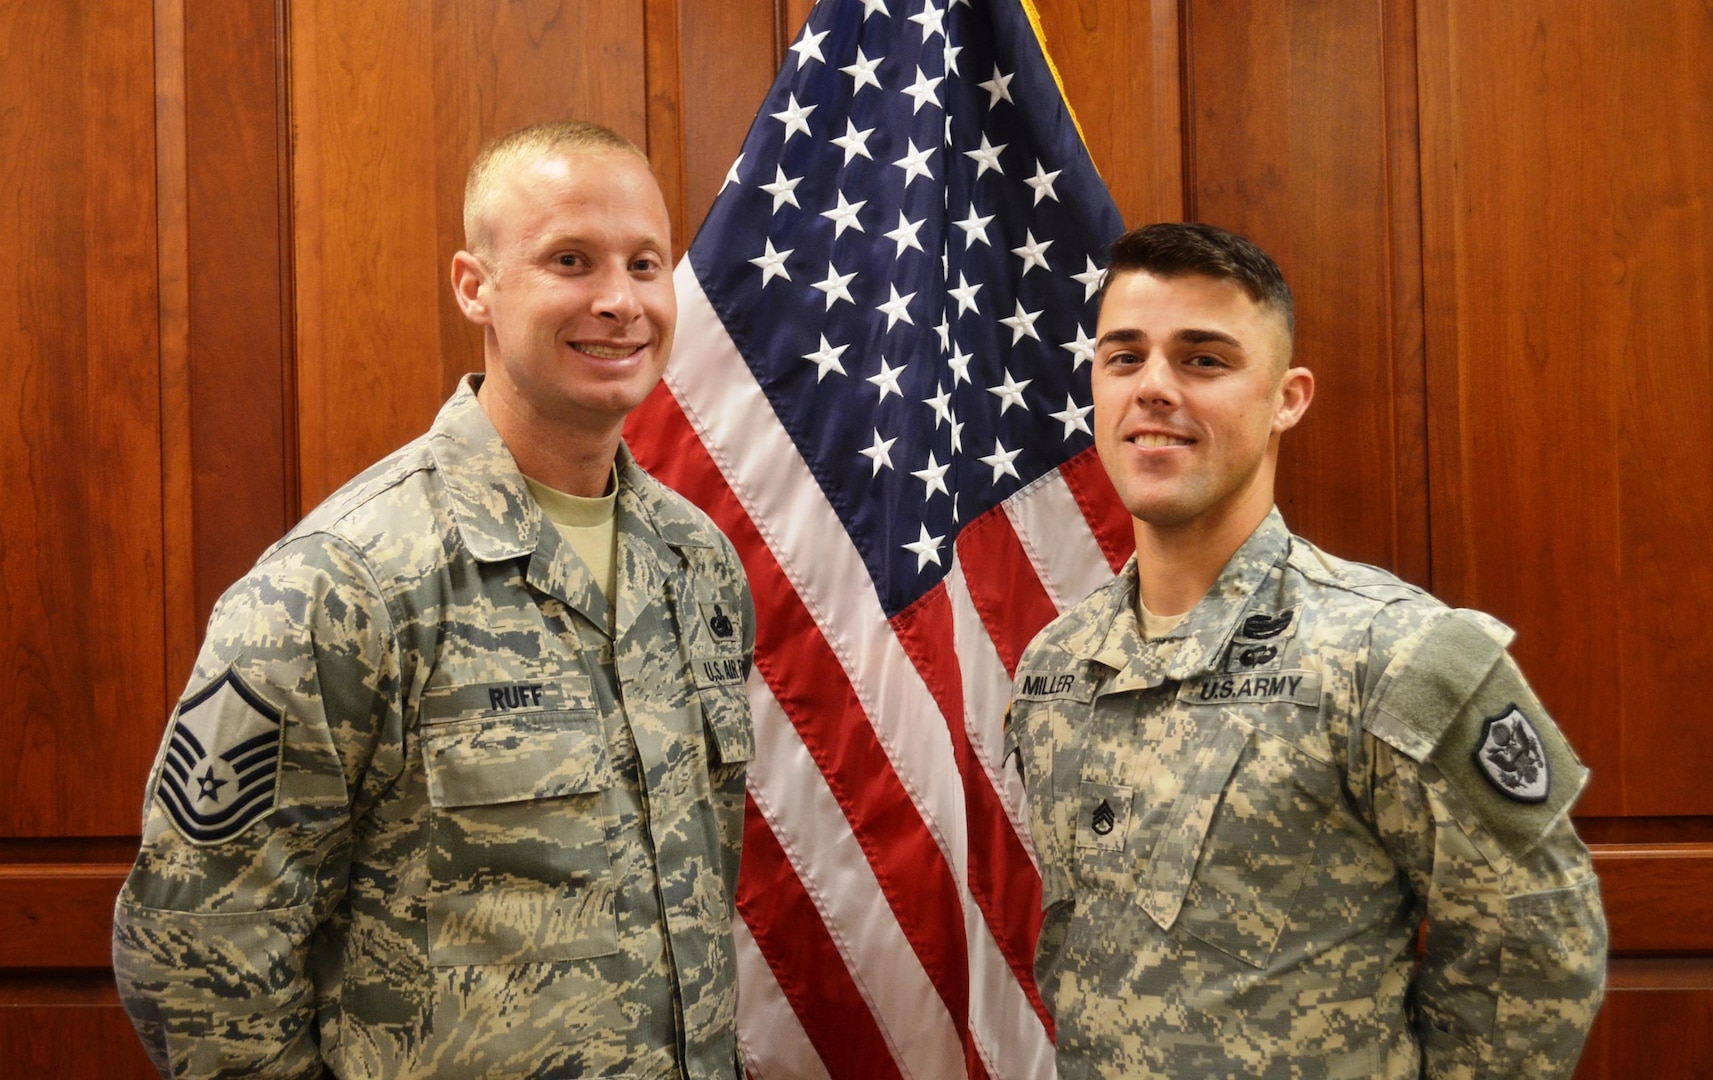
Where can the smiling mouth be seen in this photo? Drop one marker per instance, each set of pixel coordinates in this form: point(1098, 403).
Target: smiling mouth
point(1151, 440)
point(606, 352)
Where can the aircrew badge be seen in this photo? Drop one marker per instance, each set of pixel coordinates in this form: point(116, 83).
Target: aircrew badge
point(1511, 758)
point(222, 761)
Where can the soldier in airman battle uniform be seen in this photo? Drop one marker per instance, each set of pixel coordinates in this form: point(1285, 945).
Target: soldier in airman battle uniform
point(1254, 771)
point(456, 788)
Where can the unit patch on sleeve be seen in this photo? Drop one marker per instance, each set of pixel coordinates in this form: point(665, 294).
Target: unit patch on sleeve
point(222, 760)
point(1509, 755)
point(718, 620)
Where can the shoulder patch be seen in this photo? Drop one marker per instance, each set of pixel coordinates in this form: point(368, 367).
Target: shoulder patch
point(1509, 756)
point(219, 773)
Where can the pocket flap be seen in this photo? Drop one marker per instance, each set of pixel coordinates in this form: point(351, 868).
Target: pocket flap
point(515, 759)
point(726, 710)
point(1174, 861)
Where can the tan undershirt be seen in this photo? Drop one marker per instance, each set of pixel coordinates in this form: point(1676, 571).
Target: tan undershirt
point(1156, 626)
point(587, 525)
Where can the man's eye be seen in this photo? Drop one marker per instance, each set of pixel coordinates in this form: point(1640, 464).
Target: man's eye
point(567, 260)
point(1203, 360)
point(645, 266)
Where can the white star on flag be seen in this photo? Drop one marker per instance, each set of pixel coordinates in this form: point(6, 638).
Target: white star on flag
point(926, 549)
point(826, 359)
point(1072, 417)
point(836, 286)
point(862, 71)
point(795, 117)
point(1009, 392)
point(1022, 324)
point(887, 379)
point(880, 454)
point(1002, 460)
point(772, 263)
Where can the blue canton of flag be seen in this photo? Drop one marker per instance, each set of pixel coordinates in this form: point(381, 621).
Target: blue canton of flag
point(904, 255)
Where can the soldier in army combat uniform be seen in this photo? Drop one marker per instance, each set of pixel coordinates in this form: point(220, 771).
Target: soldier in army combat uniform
point(1254, 771)
point(456, 788)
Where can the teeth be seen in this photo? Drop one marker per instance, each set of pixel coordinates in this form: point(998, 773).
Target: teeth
point(605, 352)
point(1149, 441)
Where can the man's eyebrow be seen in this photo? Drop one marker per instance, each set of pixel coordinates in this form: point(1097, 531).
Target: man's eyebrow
point(1122, 336)
point(1204, 337)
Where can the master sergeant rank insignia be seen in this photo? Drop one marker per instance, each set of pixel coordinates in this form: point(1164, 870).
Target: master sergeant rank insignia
point(1510, 757)
point(221, 763)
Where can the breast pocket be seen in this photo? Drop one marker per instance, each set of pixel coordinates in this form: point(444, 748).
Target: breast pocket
point(518, 854)
point(1260, 834)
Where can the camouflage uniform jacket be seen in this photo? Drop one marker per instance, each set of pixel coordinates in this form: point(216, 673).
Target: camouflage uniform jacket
point(420, 814)
point(1243, 824)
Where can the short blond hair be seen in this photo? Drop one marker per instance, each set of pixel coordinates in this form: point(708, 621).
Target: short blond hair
point(500, 153)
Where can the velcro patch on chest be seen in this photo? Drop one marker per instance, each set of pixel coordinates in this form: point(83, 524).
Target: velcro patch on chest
point(568, 691)
point(1103, 815)
point(221, 768)
point(1299, 687)
point(1051, 686)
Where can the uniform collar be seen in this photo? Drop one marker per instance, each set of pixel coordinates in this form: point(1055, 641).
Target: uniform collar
point(498, 519)
point(1196, 644)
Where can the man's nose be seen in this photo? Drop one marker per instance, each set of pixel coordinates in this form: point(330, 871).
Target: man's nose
point(1154, 383)
point(615, 295)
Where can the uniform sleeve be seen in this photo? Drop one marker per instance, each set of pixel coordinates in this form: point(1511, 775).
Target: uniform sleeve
point(1470, 786)
point(247, 824)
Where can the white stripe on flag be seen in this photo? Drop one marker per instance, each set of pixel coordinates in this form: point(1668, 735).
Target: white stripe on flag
point(1057, 538)
point(987, 691)
point(811, 828)
point(725, 405)
point(762, 1007)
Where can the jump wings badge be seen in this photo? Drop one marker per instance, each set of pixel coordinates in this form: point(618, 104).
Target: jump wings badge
point(1510, 757)
point(221, 762)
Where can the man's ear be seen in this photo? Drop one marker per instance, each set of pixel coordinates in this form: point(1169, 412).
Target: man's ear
point(1296, 390)
point(468, 278)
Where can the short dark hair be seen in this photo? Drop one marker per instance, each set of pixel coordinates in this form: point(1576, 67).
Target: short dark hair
point(1175, 248)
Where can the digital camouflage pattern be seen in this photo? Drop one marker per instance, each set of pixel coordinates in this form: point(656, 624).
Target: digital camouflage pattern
point(1243, 824)
point(503, 841)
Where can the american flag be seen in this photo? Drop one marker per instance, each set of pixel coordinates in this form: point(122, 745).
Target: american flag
point(880, 392)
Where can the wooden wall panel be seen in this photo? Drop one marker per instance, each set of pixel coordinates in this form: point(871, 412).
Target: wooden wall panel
point(1300, 134)
point(729, 61)
point(80, 447)
point(1567, 174)
point(390, 102)
point(235, 235)
point(1119, 62)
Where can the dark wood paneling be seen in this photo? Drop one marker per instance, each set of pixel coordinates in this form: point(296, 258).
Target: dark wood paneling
point(1656, 896)
point(71, 1042)
point(1300, 134)
point(1118, 60)
point(58, 916)
point(81, 578)
point(239, 340)
point(1569, 239)
point(1657, 1022)
point(728, 64)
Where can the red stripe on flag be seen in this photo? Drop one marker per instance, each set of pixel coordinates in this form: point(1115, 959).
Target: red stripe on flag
point(794, 940)
point(1002, 880)
point(814, 690)
point(1003, 585)
point(1110, 522)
